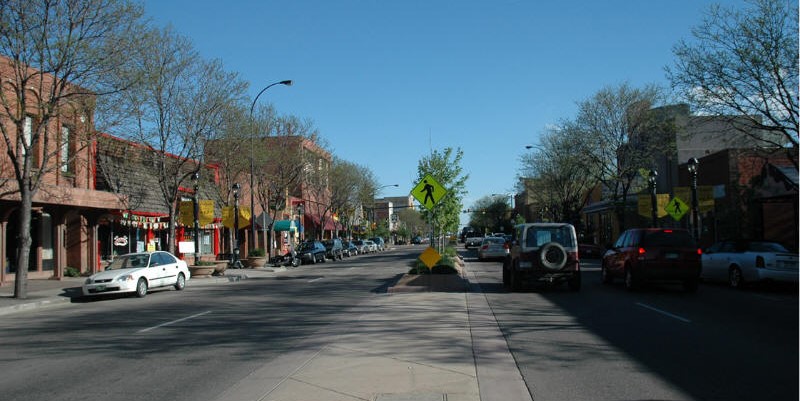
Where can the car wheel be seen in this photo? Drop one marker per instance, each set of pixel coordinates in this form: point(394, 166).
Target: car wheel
point(630, 281)
point(691, 285)
point(295, 262)
point(181, 282)
point(515, 280)
point(605, 276)
point(313, 259)
point(735, 278)
point(141, 288)
point(574, 283)
point(552, 256)
point(505, 277)
point(324, 259)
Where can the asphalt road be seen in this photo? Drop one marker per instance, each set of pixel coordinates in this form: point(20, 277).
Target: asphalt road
point(188, 345)
point(604, 343)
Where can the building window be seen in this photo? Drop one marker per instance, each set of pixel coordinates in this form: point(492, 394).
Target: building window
point(64, 152)
point(27, 134)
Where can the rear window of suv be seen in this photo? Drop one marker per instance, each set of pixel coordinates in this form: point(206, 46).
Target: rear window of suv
point(538, 236)
point(668, 238)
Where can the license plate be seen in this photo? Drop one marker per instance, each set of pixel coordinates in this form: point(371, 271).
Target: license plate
point(100, 288)
point(671, 255)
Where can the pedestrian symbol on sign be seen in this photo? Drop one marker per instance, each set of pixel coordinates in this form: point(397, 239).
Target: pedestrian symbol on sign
point(428, 192)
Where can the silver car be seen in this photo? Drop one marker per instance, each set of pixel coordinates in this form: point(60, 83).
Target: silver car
point(492, 248)
point(741, 262)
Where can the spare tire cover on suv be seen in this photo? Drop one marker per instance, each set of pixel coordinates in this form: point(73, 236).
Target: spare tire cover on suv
point(552, 256)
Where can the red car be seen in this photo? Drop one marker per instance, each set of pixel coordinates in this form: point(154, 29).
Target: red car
point(653, 255)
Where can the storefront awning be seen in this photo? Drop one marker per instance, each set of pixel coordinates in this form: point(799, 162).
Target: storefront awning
point(284, 225)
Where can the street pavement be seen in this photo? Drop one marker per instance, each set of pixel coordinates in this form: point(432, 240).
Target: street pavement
point(445, 345)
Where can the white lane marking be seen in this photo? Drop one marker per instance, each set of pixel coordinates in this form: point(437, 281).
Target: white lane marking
point(173, 322)
point(665, 313)
point(316, 279)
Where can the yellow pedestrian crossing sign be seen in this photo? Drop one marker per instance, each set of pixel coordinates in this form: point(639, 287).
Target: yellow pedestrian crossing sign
point(428, 192)
point(676, 208)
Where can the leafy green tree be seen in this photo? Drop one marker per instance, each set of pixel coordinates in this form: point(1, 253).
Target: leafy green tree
point(445, 167)
point(491, 214)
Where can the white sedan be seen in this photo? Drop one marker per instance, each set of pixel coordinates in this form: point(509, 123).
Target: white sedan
point(740, 262)
point(137, 273)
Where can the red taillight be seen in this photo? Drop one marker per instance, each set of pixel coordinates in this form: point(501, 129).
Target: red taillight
point(485, 247)
point(506, 246)
point(642, 251)
point(699, 251)
point(668, 231)
point(760, 262)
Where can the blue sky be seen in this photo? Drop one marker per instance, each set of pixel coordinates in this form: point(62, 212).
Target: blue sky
point(387, 81)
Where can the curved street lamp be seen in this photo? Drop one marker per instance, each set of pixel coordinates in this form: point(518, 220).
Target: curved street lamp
point(287, 82)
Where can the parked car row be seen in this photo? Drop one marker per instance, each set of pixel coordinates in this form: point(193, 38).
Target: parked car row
point(313, 251)
point(646, 255)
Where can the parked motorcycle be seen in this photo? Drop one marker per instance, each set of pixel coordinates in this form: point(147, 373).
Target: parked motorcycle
point(288, 259)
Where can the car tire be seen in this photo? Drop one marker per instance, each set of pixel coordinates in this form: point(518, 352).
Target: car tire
point(552, 256)
point(515, 280)
point(630, 280)
point(505, 277)
point(180, 283)
point(735, 277)
point(574, 284)
point(295, 262)
point(691, 285)
point(605, 276)
point(141, 288)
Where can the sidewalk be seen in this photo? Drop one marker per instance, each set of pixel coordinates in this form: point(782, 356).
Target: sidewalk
point(439, 344)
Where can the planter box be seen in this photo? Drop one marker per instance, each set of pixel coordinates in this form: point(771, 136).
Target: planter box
point(201, 271)
point(257, 262)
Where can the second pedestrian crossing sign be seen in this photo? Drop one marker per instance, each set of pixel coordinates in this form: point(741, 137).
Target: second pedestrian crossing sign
point(428, 192)
point(677, 208)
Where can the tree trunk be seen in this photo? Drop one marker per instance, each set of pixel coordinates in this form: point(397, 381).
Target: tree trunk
point(24, 242)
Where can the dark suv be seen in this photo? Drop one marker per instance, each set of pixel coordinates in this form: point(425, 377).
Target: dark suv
point(543, 252)
point(311, 252)
point(653, 255)
point(334, 249)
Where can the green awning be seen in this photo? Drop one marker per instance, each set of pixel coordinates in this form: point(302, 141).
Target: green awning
point(284, 225)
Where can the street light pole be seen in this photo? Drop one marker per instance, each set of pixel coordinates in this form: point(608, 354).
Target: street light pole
point(287, 82)
point(693, 164)
point(196, 207)
point(651, 179)
point(235, 263)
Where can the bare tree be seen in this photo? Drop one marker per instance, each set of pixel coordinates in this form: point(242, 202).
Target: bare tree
point(58, 57)
point(612, 124)
point(562, 176)
point(744, 62)
point(178, 107)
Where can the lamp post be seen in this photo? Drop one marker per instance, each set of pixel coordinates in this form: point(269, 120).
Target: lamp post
point(235, 263)
point(651, 179)
point(287, 82)
point(196, 179)
point(693, 164)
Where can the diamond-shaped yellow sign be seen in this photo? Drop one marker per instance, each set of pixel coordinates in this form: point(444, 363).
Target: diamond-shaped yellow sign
point(676, 208)
point(430, 257)
point(428, 192)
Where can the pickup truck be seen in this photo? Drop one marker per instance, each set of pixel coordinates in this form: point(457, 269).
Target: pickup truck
point(543, 253)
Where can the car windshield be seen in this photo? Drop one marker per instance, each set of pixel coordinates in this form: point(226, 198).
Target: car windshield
point(668, 238)
point(306, 246)
point(494, 240)
point(538, 236)
point(129, 262)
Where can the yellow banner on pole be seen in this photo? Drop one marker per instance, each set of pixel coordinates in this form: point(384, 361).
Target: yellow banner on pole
point(227, 216)
point(646, 207)
point(186, 213)
point(206, 215)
